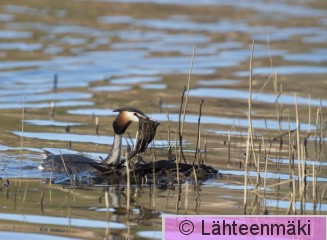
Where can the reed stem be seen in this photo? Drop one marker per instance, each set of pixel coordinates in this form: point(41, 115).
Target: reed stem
point(249, 134)
point(21, 146)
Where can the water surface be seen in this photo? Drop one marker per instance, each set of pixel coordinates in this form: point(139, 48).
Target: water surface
point(87, 58)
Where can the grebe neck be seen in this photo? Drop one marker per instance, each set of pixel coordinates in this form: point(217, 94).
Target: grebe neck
point(115, 153)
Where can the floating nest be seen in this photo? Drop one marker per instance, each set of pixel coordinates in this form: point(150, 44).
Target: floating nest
point(162, 172)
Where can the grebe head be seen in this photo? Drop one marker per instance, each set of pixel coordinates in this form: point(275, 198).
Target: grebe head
point(125, 117)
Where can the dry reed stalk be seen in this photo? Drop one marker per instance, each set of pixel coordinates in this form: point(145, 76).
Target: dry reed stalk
point(180, 127)
point(268, 134)
point(128, 190)
point(258, 183)
point(267, 81)
point(50, 186)
point(184, 105)
point(136, 139)
point(154, 181)
point(15, 196)
point(279, 113)
point(195, 176)
point(196, 192)
point(69, 216)
point(278, 193)
point(246, 173)
point(252, 144)
point(42, 200)
point(97, 126)
point(168, 130)
point(249, 134)
point(186, 197)
point(21, 146)
point(74, 189)
point(25, 192)
point(269, 53)
point(52, 110)
point(273, 74)
point(290, 193)
point(309, 113)
point(178, 202)
point(316, 132)
point(205, 151)
point(187, 89)
point(178, 159)
point(292, 188)
point(66, 170)
point(129, 142)
point(143, 181)
point(107, 230)
point(321, 136)
point(293, 183)
point(197, 199)
point(228, 158)
point(178, 182)
point(300, 171)
point(304, 175)
point(106, 198)
point(265, 178)
point(198, 139)
point(314, 189)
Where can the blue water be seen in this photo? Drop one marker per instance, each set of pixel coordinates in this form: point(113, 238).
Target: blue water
point(125, 57)
point(190, 118)
point(61, 221)
point(260, 97)
point(270, 175)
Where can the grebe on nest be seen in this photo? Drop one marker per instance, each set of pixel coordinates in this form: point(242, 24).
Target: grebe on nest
point(74, 163)
point(112, 164)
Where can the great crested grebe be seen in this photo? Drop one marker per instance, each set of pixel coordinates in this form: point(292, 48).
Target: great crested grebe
point(74, 163)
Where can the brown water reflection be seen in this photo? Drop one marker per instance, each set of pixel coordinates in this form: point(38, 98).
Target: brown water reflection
point(111, 54)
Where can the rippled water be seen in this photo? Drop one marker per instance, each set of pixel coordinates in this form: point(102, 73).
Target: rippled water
point(68, 63)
